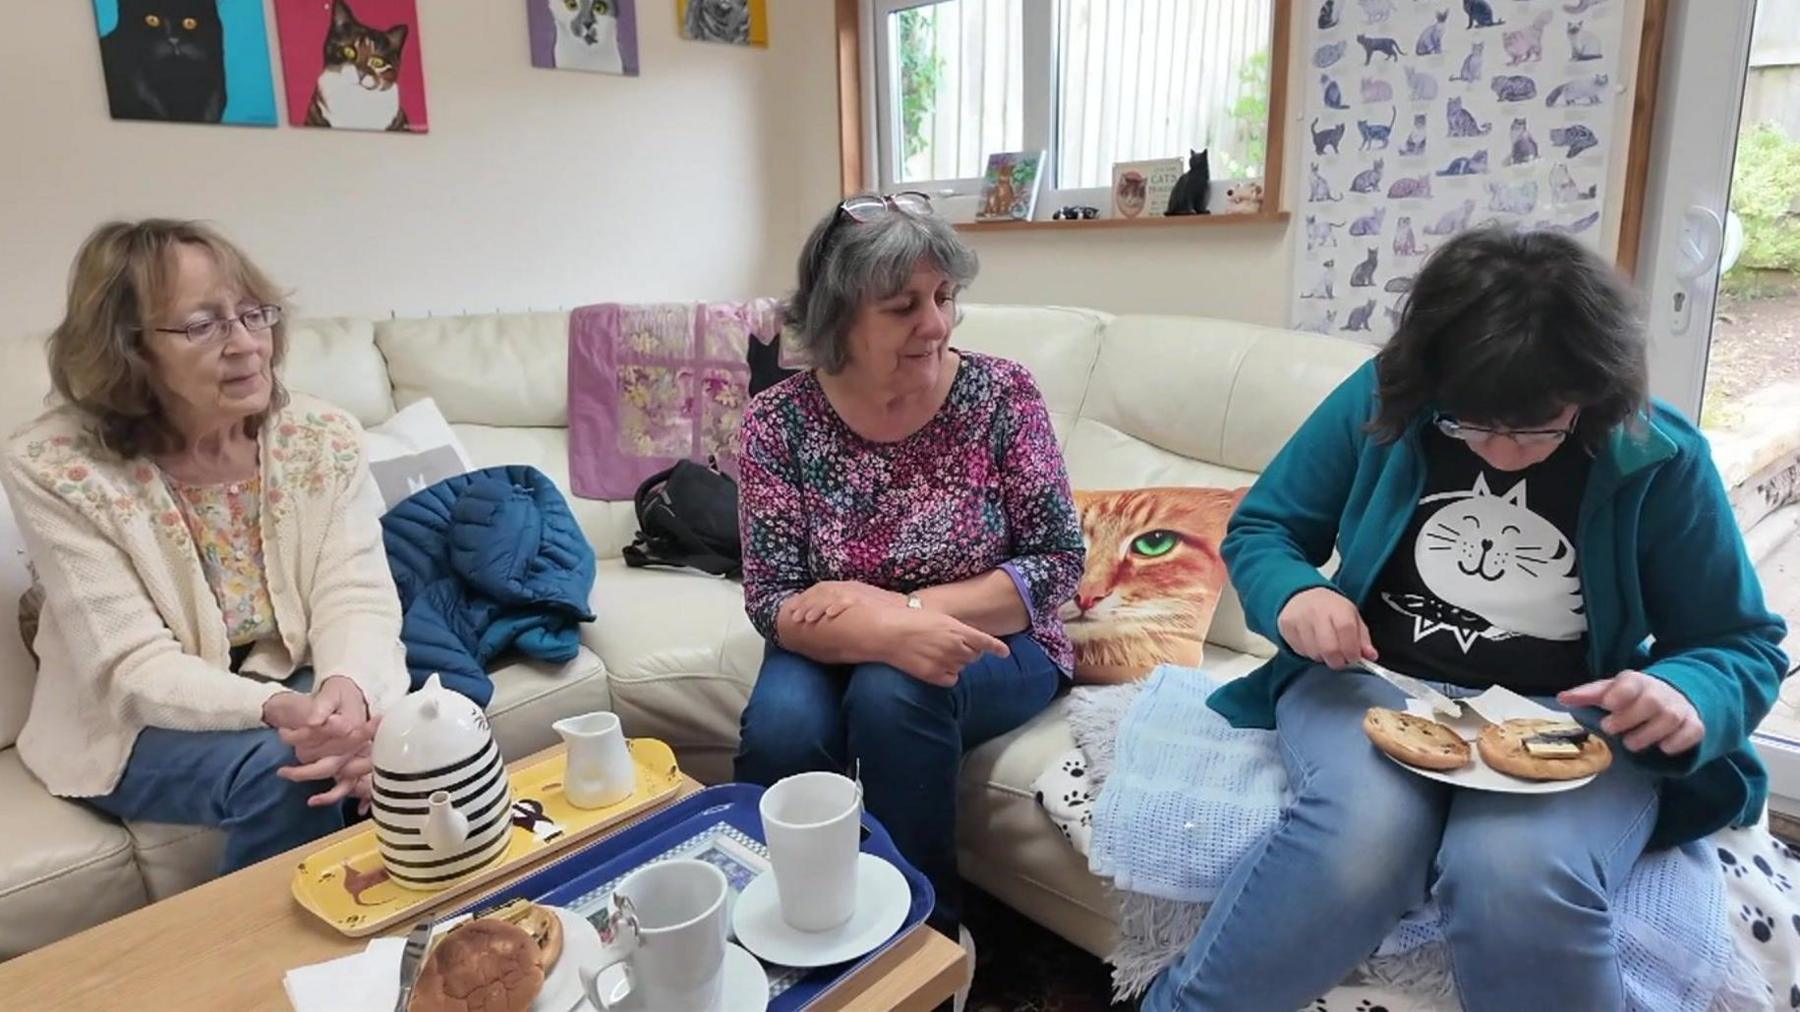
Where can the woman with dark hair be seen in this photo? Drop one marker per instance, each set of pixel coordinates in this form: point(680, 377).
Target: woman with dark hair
point(1510, 509)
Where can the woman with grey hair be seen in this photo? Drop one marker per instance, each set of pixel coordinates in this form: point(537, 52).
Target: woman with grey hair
point(908, 534)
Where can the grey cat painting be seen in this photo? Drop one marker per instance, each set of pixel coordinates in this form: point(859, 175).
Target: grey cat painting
point(736, 22)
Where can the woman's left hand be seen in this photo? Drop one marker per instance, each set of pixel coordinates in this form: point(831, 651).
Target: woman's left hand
point(832, 598)
point(338, 723)
point(1643, 710)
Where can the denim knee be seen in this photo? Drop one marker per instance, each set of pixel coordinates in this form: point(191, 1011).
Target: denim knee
point(882, 700)
point(1515, 896)
point(254, 787)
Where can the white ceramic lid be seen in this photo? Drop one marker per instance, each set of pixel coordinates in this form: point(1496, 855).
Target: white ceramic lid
point(428, 729)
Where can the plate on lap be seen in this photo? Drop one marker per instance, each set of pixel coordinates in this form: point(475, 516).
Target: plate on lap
point(1478, 775)
point(882, 899)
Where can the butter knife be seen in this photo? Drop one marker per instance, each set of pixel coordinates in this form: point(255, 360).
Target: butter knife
point(412, 958)
point(1418, 690)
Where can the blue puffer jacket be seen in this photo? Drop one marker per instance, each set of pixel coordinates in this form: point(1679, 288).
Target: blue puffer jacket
point(485, 562)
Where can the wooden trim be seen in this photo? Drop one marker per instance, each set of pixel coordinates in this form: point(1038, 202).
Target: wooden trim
point(1643, 124)
point(850, 97)
point(1281, 38)
point(1265, 217)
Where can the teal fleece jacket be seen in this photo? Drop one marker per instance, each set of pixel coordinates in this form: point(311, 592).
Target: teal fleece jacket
point(1668, 586)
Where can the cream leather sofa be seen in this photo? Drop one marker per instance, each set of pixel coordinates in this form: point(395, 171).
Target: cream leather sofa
point(1136, 401)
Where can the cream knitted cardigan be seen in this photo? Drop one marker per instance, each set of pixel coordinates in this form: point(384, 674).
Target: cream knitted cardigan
point(131, 634)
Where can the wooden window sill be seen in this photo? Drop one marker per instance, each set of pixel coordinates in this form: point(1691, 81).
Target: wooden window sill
point(1179, 221)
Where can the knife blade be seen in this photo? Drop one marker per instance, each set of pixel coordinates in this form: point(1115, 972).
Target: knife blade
point(1438, 702)
point(412, 958)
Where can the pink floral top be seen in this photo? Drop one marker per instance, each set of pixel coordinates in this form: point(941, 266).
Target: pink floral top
point(981, 487)
point(226, 524)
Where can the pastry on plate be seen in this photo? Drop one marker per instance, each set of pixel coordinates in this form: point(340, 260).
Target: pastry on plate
point(1416, 741)
point(483, 965)
point(540, 922)
point(1543, 749)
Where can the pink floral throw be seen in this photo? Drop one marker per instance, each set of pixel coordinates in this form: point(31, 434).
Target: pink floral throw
point(653, 384)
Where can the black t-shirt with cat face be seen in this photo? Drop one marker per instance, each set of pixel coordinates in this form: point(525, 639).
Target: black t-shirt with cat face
point(1484, 588)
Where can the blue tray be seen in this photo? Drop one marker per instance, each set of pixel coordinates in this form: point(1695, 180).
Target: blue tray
point(579, 877)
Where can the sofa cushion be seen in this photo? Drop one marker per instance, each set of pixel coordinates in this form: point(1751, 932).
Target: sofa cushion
point(64, 867)
point(174, 858)
point(18, 674)
point(531, 695)
point(609, 526)
point(336, 359)
point(1058, 346)
point(501, 369)
point(680, 659)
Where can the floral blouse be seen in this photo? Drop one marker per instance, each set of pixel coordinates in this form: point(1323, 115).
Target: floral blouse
point(226, 523)
point(981, 487)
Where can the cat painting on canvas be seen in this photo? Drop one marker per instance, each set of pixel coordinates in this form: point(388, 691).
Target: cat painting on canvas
point(587, 35)
point(359, 86)
point(166, 61)
point(1153, 579)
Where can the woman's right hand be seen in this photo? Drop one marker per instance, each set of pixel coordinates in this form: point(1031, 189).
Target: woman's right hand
point(1322, 625)
point(932, 646)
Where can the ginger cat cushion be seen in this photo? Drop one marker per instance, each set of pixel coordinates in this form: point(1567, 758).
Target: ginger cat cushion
point(1153, 579)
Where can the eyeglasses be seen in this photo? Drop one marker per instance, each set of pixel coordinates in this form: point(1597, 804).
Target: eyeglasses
point(1074, 212)
point(205, 332)
point(1476, 435)
point(867, 207)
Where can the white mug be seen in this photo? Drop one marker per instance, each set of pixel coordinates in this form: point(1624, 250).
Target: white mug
point(599, 771)
point(812, 823)
point(664, 938)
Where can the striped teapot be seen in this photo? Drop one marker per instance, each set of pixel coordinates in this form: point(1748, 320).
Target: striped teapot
point(442, 804)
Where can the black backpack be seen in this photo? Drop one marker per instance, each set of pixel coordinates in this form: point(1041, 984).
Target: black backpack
point(687, 517)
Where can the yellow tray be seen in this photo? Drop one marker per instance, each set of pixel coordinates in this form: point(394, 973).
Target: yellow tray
point(345, 885)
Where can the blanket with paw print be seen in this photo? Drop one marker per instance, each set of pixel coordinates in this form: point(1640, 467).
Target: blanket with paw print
point(1164, 797)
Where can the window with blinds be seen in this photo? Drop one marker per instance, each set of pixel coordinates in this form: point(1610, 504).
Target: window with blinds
point(1092, 82)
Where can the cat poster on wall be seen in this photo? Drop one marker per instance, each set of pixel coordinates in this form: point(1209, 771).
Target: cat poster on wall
point(599, 36)
point(353, 64)
point(1427, 117)
point(186, 61)
point(1152, 581)
point(737, 22)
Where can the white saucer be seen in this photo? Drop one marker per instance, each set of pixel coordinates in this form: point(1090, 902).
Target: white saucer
point(746, 982)
point(882, 899)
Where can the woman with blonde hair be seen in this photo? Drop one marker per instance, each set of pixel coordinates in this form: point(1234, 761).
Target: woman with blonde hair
point(220, 631)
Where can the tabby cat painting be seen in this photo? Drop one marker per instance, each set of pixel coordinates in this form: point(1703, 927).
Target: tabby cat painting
point(599, 36)
point(737, 22)
point(353, 64)
point(1152, 582)
point(186, 61)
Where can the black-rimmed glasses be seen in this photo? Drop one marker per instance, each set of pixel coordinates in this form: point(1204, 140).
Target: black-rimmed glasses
point(205, 332)
point(1477, 434)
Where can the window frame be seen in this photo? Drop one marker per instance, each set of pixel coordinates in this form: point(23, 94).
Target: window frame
point(867, 143)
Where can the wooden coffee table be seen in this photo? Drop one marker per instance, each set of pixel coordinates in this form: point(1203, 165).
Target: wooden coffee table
point(225, 946)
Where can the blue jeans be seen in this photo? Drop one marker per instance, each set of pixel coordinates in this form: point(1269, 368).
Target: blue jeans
point(909, 735)
point(1524, 882)
point(224, 779)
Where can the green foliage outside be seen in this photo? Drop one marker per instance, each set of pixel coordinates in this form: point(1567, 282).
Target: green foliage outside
point(1765, 186)
point(920, 69)
point(1249, 123)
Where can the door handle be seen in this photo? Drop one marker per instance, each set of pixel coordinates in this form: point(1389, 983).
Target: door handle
point(1698, 251)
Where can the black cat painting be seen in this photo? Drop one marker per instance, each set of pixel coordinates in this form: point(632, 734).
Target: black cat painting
point(165, 60)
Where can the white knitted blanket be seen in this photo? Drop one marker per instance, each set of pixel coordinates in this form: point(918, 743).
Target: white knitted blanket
point(1164, 797)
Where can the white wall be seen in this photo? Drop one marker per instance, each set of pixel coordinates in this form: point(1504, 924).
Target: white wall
point(534, 188)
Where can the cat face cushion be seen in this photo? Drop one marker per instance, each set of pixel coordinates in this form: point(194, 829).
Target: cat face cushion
point(1153, 579)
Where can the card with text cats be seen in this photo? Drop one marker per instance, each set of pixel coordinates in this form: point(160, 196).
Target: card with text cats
point(353, 64)
point(186, 61)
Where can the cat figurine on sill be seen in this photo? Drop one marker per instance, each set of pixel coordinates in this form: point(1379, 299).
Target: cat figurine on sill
point(1153, 577)
point(1583, 45)
point(1190, 193)
point(1471, 65)
point(165, 60)
point(359, 89)
point(1431, 40)
point(1524, 146)
point(1481, 14)
point(587, 35)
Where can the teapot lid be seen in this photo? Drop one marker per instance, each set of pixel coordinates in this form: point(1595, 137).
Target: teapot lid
point(430, 728)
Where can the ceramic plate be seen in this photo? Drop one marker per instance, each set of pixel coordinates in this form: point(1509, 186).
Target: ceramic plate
point(746, 982)
point(1478, 775)
point(882, 899)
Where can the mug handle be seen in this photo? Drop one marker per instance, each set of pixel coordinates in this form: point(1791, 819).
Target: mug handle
point(619, 939)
